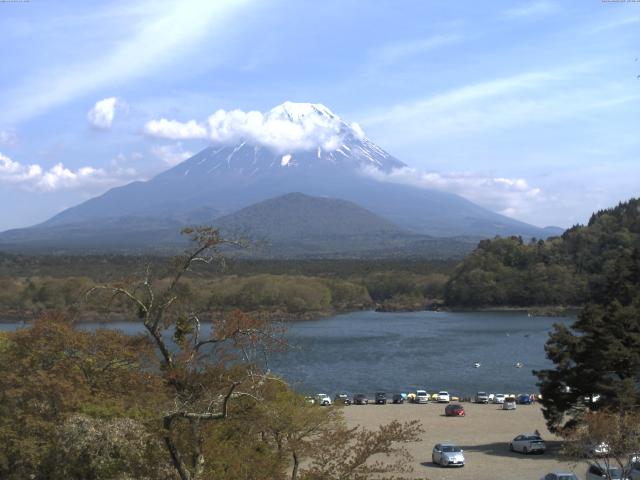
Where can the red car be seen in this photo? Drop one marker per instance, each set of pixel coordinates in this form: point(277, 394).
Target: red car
point(454, 410)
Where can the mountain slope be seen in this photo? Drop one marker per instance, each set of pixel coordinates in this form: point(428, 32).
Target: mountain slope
point(299, 216)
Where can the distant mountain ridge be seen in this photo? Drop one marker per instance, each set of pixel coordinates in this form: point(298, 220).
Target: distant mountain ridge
point(224, 179)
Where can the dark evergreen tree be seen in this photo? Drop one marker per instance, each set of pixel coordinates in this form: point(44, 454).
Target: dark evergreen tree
point(600, 353)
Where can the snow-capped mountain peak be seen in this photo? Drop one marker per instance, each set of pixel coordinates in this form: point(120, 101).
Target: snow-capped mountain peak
point(299, 111)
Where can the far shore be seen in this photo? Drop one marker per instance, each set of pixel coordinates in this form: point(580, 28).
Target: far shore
point(12, 316)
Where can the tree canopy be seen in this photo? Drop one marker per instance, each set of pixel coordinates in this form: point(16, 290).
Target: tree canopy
point(570, 270)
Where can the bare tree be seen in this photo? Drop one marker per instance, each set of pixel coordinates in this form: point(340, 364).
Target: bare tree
point(204, 370)
point(606, 440)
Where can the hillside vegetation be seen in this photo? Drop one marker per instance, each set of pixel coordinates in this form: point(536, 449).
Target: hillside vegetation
point(565, 271)
point(29, 285)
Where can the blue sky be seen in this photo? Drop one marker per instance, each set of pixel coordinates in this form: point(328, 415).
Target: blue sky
point(530, 108)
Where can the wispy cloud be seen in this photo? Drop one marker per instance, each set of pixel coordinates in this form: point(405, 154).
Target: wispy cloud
point(8, 137)
point(531, 9)
point(35, 177)
point(509, 196)
point(164, 34)
point(399, 51)
point(500, 103)
point(615, 24)
point(171, 154)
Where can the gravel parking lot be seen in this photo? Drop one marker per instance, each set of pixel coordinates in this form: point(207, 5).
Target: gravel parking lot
point(483, 434)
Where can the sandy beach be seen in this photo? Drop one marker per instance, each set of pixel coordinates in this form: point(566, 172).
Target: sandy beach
point(483, 434)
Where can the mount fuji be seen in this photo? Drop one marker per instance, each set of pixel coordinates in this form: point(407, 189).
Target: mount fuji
point(295, 147)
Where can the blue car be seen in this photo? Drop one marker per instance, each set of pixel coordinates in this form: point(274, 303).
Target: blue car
point(524, 399)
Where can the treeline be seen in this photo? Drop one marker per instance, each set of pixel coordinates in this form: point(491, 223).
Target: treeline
point(287, 293)
point(565, 271)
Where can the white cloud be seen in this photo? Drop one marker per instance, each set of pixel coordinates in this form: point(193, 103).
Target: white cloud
point(165, 31)
point(287, 127)
point(174, 130)
point(58, 177)
point(510, 196)
point(531, 9)
point(103, 112)
point(171, 154)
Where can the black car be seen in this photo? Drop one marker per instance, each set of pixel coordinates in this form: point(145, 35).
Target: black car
point(341, 398)
point(381, 398)
point(360, 399)
point(398, 398)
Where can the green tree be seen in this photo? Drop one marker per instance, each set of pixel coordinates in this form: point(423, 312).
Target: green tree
point(599, 354)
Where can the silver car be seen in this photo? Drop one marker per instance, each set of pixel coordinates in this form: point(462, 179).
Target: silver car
point(509, 403)
point(447, 455)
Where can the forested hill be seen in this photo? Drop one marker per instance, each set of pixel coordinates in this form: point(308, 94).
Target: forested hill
point(566, 270)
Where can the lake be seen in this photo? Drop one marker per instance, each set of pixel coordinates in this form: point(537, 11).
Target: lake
point(399, 352)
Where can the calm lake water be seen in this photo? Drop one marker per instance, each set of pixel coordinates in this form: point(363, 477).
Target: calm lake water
point(398, 352)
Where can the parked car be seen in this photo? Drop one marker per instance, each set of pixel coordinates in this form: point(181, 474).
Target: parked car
point(421, 396)
point(310, 400)
point(443, 397)
point(633, 469)
point(599, 449)
point(524, 399)
point(509, 403)
point(454, 410)
point(447, 455)
point(360, 399)
point(342, 399)
point(560, 476)
point(499, 398)
point(527, 443)
point(323, 399)
point(398, 398)
point(381, 398)
point(482, 397)
point(598, 472)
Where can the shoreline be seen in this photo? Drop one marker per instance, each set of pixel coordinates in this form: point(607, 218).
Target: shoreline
point(13, 316)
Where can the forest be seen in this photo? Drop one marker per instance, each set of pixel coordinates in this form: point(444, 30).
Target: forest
point(301, 288)
point(565, 271)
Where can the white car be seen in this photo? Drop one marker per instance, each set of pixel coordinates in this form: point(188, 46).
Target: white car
point(323, 399)
point(421, 396)
point(527, 443)
point(447, 455)
point(599, 449)
point(443, 397)
point(499, 398)
point(509, 403)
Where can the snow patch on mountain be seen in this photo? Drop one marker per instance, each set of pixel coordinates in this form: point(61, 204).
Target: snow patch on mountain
point(285, 160)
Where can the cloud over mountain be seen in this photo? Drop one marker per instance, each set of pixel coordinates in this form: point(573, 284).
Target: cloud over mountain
point(287, 127)
point(509, 196)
